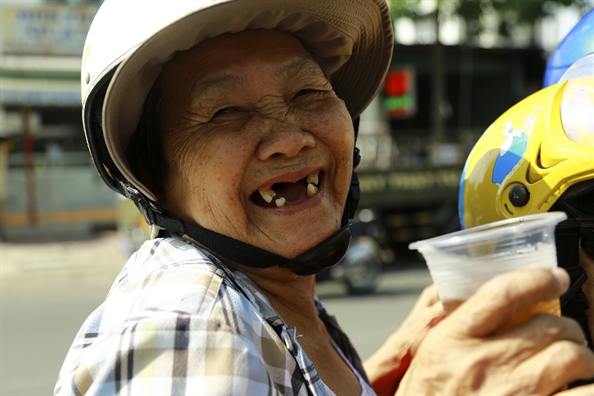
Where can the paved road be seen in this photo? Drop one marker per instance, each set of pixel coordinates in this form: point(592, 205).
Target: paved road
point(48, 290)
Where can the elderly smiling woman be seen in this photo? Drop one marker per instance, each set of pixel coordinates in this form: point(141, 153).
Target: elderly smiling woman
point(231, 124)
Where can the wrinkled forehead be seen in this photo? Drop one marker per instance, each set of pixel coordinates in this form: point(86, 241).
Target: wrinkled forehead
point(221, 64)
point(210, 62)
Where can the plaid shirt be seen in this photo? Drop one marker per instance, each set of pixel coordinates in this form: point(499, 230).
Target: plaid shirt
point(176, 321)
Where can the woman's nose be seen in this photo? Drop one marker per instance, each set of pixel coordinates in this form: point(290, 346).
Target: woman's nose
point(282, 138)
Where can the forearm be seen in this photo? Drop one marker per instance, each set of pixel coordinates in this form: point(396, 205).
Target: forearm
point(386, 367)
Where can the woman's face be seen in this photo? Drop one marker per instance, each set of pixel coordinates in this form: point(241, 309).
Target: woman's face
point(251, 118)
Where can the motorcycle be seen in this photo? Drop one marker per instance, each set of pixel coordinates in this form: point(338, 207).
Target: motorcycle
point(362, 267)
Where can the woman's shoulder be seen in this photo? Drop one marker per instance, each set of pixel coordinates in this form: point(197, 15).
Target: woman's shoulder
point(167, 275)
point(161, 253)
point(169, 297)
point(169, 278)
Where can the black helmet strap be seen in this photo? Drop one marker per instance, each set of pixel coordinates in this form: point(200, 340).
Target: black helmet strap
point(354, 191)
point(324, 255)
point(573, 303)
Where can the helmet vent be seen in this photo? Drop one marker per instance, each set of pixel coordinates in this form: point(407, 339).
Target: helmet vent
point(534, 172)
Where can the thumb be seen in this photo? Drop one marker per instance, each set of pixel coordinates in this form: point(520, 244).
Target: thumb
point(501, 298)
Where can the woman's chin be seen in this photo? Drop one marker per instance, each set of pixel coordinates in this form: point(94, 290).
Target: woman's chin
point(295, 247)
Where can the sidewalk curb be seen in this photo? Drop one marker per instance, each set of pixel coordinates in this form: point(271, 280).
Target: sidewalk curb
point(96, 260)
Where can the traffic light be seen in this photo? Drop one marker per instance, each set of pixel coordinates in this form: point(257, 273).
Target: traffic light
point(399, 92)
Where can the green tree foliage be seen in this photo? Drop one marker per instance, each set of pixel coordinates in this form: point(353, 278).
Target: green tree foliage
point(480, 15)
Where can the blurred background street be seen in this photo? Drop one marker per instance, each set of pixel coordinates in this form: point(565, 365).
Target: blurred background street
point(457, 66)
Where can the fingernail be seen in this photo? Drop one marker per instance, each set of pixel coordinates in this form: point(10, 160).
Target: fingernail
point(561, 275)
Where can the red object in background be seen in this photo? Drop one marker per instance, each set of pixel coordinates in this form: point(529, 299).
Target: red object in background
point(398, 82)
point(399, 92)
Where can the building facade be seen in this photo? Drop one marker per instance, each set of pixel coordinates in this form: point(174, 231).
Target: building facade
point(49, 186)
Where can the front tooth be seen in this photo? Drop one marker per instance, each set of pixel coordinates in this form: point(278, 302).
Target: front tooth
point(311, 190)
point(267, 194)
point(313, 179)
point(280, 202)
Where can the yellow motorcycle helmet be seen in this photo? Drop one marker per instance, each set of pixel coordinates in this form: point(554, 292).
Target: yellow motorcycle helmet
point(533, 153)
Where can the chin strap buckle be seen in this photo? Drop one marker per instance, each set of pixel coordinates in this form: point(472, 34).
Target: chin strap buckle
point(145, 206)
point(154, 215)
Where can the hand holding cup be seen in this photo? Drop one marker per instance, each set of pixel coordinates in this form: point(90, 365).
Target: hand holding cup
point(503, 335)
point(467, 353)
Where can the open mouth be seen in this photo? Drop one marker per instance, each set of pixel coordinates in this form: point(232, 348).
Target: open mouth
point(283, 194)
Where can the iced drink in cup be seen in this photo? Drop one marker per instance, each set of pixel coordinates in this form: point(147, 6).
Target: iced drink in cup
point(462, 261)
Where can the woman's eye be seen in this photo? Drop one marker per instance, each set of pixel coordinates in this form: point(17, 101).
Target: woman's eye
point(303, 92)
point(226, 110)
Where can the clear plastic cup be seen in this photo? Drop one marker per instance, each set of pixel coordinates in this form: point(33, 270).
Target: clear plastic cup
point(460, 262)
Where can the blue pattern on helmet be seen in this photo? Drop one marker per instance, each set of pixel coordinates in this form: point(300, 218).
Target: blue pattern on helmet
point(508, 159)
